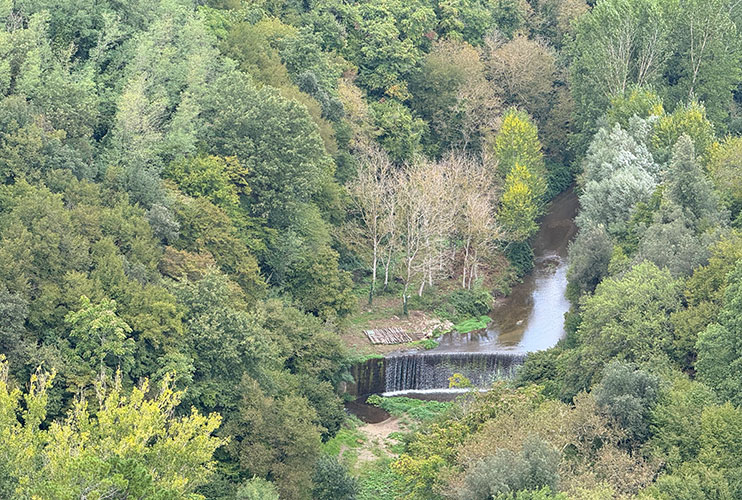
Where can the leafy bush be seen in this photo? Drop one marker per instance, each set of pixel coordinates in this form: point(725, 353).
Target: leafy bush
point(520, 256)
point(257, 489)
point(332, 481)
point(506, 472)
point(424, 343)
point(378, 481)
point(470, 303)
point(628, 394)
point(472, 324)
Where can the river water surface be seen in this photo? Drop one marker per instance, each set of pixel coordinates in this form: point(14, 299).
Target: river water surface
point(531, 318)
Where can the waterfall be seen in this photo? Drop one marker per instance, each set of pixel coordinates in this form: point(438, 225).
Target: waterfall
point(368, 378)
point(421, 371)
point(425, 371)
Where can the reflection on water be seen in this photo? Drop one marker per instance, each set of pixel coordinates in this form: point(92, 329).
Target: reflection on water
point(531, 318)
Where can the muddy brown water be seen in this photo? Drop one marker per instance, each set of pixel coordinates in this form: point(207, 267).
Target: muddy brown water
point(531, 318)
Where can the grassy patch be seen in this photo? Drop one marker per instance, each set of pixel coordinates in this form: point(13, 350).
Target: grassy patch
point(348, 437)
point(416, 409)
point(424, 343)
point(472, 324)
point(366, 357)
point(377, 481)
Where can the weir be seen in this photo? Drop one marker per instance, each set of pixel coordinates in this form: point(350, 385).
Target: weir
point(431, 370)
point(427, 371)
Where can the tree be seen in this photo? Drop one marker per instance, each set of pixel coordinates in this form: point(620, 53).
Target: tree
point(723, 165)
point(100, 335)
point(274, 436)
point(221, 180)
point(589, 256)
point(517, 143)
point(705, 53)
point(520, 204)
point(618, 173)
point(505, 472)
point(719, 346)
point(371, 186)
point(450, 92)
point(224, 341)
point(618, 45)
point(257, 489)
point(627, 318)
point(414, 224)
point(676, 420)
point(688, 187)
point(132, 445)
point(687, 120)
point(399, 132)
point(255, 125)
point(628, 394)
point(525, 69)
point(332, 481)
point(670, 242)
point(476, 224)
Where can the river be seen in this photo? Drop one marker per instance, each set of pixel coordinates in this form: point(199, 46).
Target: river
point(531, 318)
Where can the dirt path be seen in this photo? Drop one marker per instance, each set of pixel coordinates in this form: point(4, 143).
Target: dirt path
point(378, 439)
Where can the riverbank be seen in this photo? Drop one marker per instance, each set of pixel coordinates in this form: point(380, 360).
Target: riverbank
point(529, 318)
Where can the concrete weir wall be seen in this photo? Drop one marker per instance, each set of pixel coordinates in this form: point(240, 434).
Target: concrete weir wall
point(430, 371)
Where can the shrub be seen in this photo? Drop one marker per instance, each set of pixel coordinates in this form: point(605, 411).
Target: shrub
point(332, 481)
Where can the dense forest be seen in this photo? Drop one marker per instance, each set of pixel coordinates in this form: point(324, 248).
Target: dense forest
point(198, 197)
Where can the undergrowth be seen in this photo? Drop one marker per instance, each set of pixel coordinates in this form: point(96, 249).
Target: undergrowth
point(472, 324)
point(416, 409)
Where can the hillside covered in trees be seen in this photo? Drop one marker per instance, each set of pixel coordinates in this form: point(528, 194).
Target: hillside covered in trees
point(197, 198)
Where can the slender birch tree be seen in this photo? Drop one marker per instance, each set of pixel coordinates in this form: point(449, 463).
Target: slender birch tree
point(369, 192)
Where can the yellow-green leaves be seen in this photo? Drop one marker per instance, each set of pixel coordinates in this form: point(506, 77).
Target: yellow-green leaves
point(520, 204)
point(133, 447)
point(517, 142)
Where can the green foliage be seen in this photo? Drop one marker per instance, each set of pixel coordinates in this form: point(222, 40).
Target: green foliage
point(619, 172)
point(676, 420)
point(589, 256)
point(99, 335)
point(332, 481)
point(723, 167)
point(346, 438)
point(641, 102)
point(627, 394)
point(257, 489)
point(469, 303)
point(399, 131)
point(459, 381)
point(378, 481)
point(422, 411)
point(471, 324)
point(132, 445)
point(517, 144)
point(520, 256)
point(521, 203)
point(534, 467)
point(719, 348)
point(627, 318)
point(424, 343)
point(220, 180)
point(687, 120)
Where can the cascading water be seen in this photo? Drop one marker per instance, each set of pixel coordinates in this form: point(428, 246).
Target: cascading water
point(428, 371)
point(431, 370)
